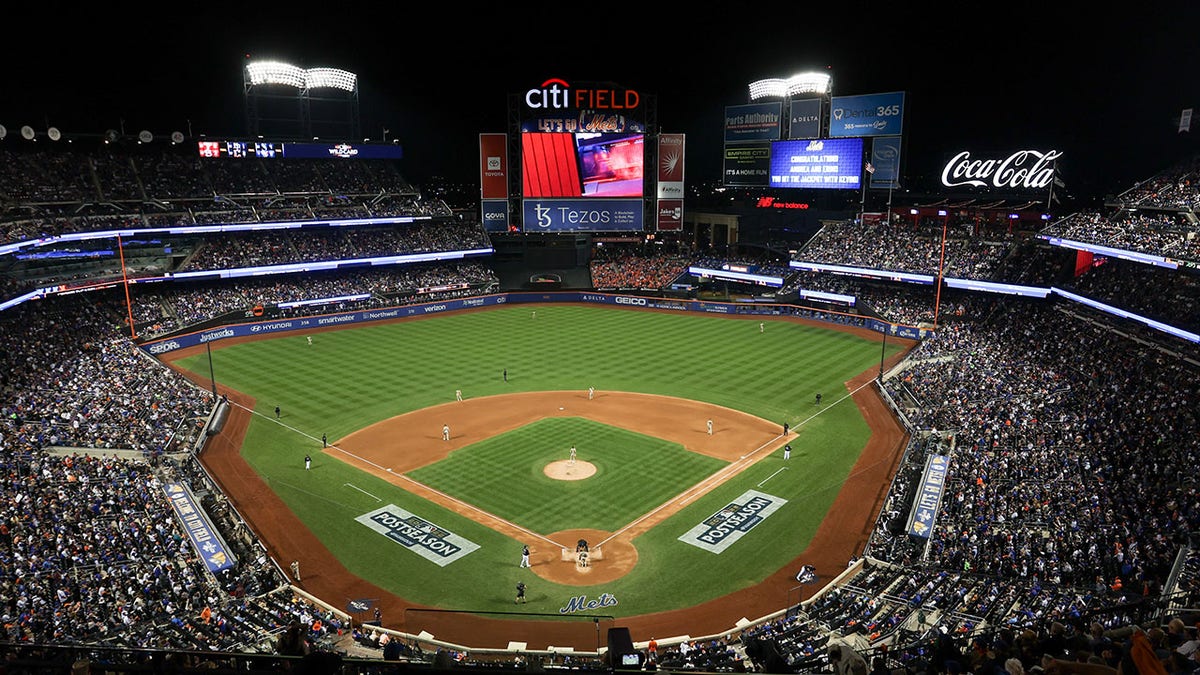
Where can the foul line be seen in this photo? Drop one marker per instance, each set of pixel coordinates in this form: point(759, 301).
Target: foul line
point(777, 471)
point(362, 491)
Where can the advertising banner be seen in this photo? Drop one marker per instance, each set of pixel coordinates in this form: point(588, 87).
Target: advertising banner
point(754, 122)
point(493, 166)
point(670, 166)
point(804, 118)
point(200, 530)
point(582, 215)
point(495, 215)
point(885, 157)
point(869, 115)
point(747, 165)
point(670, 215)
point(929, 496)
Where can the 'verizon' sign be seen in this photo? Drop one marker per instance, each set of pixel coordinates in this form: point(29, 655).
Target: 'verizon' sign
point(1022, 170)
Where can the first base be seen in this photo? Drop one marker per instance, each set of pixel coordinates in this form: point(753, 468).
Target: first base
point(560, 408)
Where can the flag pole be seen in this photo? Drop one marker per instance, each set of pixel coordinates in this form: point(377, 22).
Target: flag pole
point(125, 283)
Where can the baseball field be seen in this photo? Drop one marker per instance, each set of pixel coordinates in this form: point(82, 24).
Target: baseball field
point(680, 520)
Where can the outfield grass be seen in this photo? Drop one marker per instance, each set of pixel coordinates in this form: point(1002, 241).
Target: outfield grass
point(351, 378)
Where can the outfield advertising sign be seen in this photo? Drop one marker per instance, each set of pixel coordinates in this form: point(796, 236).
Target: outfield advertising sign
point(435, 544)
point(167, 345)
point(753, 122)
point(582, 215)
point(729, 524)
point(868, 115)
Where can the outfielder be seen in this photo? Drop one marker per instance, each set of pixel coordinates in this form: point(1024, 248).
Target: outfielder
point(458, 395)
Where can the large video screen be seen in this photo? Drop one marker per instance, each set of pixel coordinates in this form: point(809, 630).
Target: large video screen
point(822, 163)
point(582, 165)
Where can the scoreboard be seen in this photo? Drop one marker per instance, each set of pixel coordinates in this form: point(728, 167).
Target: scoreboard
point(271, 150)
point(238, 149)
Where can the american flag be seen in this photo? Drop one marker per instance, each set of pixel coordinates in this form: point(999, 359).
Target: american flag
point(870, 168)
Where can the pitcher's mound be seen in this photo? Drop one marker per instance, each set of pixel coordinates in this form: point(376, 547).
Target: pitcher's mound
point(564, 469)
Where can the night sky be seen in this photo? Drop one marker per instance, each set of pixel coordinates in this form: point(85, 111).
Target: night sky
point(1104, 87)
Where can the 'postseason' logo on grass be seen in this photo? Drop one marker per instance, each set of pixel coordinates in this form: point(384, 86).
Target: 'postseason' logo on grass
point(437, 545)
point(721, 529)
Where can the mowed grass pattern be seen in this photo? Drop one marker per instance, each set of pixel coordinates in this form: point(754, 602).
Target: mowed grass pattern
point(504, 475)
point(350, 378)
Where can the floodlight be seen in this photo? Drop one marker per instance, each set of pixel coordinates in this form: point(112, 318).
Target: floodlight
point(145, 136)
point(3, 132)
point(27, 132)
point(770, 88)
point(334, 78)
point(275, 72)
point(176, 137)
point(808, 83)
point(54, 133)
point(796, 85)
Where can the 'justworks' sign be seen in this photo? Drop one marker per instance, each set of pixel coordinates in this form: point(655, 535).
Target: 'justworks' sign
point(556, 94)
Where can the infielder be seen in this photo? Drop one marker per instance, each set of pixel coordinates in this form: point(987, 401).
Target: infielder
point(572, 460)
point(525, 557)
point(445, 432)
point(710, 427)
point(591, 393)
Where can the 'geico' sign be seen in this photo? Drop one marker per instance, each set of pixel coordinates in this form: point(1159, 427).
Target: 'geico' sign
point(1027, 169)
point(556, 94)
point(622, 300)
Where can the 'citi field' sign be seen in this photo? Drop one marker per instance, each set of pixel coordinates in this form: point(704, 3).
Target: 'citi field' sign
point(556, 94)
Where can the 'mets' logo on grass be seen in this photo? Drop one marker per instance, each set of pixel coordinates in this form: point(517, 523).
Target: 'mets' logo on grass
point(556, 94)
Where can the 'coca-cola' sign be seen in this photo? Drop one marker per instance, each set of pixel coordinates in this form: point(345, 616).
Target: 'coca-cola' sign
point(1024, 169)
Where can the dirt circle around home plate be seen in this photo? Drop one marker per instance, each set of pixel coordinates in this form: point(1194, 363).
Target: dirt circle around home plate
point(565, 469)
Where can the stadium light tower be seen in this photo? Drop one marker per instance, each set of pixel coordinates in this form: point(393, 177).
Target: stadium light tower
point(300, 102)
point(801, 86)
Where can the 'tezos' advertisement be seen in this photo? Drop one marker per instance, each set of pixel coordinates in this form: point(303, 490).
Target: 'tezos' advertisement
point(493, 166)
point(582, 215)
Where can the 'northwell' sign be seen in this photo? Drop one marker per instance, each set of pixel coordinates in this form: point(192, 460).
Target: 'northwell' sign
point(721, 529)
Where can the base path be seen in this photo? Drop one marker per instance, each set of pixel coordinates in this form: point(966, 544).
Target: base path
point(841, 536)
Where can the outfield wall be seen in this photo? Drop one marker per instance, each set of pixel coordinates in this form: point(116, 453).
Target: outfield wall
point(258, 328)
